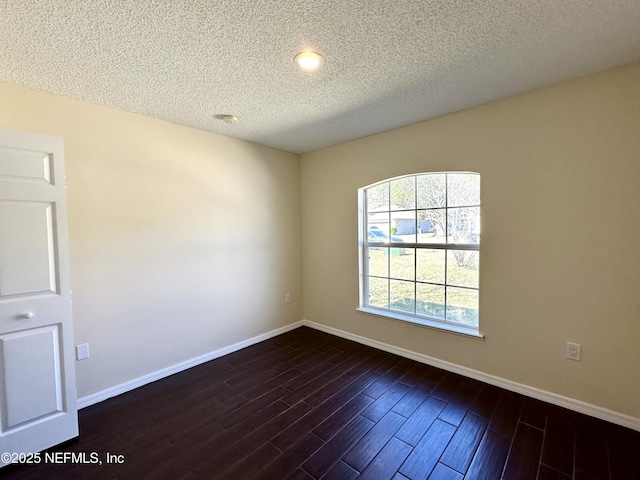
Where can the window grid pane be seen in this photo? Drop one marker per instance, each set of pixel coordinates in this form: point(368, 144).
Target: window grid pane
point(402, 296)
point(462, 268)
point(378, 198)
point(402, 264)
point(430, 300)
point(378, 292)
point(378, 261)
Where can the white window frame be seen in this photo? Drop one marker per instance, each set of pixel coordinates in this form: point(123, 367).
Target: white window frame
point(364, 244)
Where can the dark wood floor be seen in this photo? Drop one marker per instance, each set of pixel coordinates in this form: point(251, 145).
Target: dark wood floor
point(307, 405)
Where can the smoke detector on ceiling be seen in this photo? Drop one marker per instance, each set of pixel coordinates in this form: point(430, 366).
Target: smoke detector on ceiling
point(230, 119)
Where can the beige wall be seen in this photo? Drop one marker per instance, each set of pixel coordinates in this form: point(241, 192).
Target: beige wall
point(560, 258)
point(181, 241)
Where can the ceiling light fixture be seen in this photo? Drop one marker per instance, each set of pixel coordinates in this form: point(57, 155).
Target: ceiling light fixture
point(308, 61)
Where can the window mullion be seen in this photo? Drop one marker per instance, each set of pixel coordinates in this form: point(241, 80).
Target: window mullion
point(388, 278)
point(388, 247)
point(415, 251)
point(435, 246)
point(415, 280)
point(446, 273)
point(446, 208)
point(446, 241)
point(366, 290)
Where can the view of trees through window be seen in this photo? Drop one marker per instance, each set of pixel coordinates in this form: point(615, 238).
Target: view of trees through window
point(422, 240)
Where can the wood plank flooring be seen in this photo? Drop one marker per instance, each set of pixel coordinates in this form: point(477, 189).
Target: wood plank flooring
point(307, 405)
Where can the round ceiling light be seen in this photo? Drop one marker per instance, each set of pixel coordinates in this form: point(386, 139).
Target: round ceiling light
point(308, 61)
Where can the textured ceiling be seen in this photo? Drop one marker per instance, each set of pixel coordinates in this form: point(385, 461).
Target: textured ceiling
point(388, 63)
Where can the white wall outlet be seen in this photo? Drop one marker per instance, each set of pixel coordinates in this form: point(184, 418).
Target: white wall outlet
point(287, 298)
point(573, 351)
point(82, 351)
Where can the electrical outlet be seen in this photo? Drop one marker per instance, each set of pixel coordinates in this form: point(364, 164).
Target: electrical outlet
point(82, 351)
point(573, 351)
point(287, 298)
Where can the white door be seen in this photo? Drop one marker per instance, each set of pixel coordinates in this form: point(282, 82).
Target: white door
point(37, 378)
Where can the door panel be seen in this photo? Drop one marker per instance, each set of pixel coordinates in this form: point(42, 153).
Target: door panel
point(37, 377)
point(33, 396)
point(27, 254)
point(25, 165)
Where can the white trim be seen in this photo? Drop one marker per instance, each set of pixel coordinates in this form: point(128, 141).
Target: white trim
point(179, 367)
point(423, 322)
point(549, 397)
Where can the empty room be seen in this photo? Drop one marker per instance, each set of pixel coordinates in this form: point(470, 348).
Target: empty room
point(320, 240)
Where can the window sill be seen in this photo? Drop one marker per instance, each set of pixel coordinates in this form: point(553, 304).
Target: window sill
point(423, 322)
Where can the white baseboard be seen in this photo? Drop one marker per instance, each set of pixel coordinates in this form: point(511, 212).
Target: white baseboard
point(165, 372)
point(549, 397)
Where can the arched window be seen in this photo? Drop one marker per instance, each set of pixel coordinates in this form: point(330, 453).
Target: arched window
point(419, 246)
